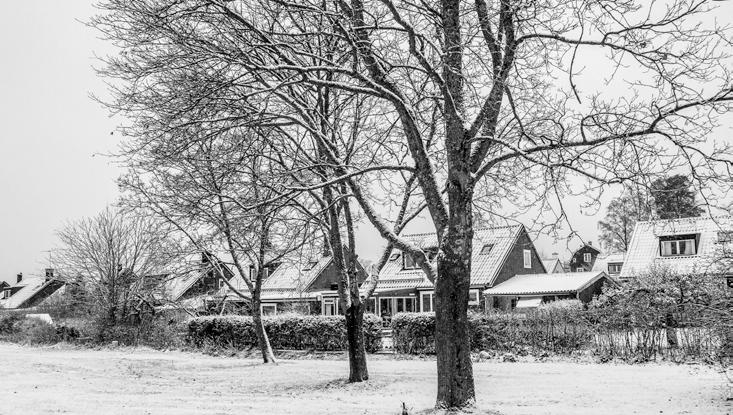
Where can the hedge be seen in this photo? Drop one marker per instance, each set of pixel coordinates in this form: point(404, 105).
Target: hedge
point(285, 331)
point(552, 330)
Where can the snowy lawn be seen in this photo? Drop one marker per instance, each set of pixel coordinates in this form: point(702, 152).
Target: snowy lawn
point(127, 381)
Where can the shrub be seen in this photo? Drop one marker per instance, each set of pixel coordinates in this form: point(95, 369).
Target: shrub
point(35, 331)
point(285, 331)
point(557, 329)
point(9, 322)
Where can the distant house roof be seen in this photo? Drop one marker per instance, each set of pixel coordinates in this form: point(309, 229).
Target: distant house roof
point(602, 262)
point(551, 264)
point(179, 284)
point(30, 290)
point(644, 251)
point(491, 246)
point(290, 280)
point(545, 284)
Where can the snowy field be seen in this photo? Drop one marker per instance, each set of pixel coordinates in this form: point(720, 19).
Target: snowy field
point(75, 381)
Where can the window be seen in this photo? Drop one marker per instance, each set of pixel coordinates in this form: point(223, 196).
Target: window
point(310, 265)
point(725, 236)
point(677, 247)
point(426, 301)
point(587, 257)
point(408, 262)
point(527, 258)
point(473, 297)
point(6, 293)
point(330, 307)
point(394, 256)
point(268, 309)
point(252, 273)
point(486, 249)
point(580, 269)
point(614, 268)
point(221, 283)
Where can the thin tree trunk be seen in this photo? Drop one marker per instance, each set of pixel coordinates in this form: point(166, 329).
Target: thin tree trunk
point(358, 371)
point(262, 340)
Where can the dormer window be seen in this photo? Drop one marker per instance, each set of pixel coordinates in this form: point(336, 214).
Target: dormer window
point(614, 268)
point(310, 265)
point(6, 293)
point(486, 249)
point(408, 262)
point(725, 236)
point(678, 245)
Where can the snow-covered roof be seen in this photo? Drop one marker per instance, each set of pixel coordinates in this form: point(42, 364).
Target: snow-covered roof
point(602, 262)
point(29, 287)
point(551, 264)
point(644, 251)
point(540, 284)
point(180, 283)
point(484, 266)
point(290, 280)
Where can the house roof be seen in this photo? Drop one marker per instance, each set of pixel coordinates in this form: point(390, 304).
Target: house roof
point(30, 286)
point(290, 280)
point(484, 267)
point(550, 264)
point(602, 262)
point(643, 251)
point(539, 284)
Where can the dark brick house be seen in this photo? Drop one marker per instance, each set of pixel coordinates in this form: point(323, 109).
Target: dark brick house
point(584, 258)
point(499, 253)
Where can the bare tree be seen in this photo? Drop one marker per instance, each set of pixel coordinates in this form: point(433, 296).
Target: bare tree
point(487, 98)
point(117, 259)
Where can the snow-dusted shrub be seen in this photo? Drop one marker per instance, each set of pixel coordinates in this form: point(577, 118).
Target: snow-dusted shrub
point(285, 331)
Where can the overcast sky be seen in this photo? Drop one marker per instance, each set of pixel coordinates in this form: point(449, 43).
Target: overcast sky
point(53, 136)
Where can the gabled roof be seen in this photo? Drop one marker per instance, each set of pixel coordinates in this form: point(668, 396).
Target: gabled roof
point(544, 284)
point(179, 284)
point(550, 264)
point(484, 267)
point(643, 250)
point(290, 280)
point(30, 286)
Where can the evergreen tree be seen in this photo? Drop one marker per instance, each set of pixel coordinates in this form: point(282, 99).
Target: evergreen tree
point(674, 198)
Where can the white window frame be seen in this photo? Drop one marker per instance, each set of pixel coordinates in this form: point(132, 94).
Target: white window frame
point(587, 257)
point(328, 302)
point(477, 301)
point(267, 305)
point(431, 295)
point(676, 244)
point(405, 255)
point(6, 293)
point(615, 265)
point(252, 273)
point(527, 254)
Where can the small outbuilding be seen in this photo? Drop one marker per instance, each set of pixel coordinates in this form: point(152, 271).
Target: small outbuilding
point(530, 290)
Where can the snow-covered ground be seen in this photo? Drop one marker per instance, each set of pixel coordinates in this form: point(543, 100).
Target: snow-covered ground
point(127, 381)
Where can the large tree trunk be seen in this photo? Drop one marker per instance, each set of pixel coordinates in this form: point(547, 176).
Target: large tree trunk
point(358, 371)
point(452, 345)
point(262, 340)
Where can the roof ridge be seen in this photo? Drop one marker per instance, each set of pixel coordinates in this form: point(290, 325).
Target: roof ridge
point(484, 228)
point(688, 219)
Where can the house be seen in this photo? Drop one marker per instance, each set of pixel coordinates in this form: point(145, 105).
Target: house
point(610, 263)
point(530, 290)
point(498, 254)
point(553, 265)
point(195, 285)
point(30, 291)
point(584, 258)
point(303, 285)
point(689, 245)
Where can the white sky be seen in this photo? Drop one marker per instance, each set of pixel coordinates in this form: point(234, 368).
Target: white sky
point(52, 136)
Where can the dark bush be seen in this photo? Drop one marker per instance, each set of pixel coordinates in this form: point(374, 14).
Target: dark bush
point(35, 331)
point(9, 323)
point(285, 331)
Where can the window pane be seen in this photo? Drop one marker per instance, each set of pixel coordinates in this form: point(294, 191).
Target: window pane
point(689, 247)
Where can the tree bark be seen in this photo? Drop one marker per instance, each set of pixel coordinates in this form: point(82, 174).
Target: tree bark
point(262, 340)
point(358, 371)
point(452, 345)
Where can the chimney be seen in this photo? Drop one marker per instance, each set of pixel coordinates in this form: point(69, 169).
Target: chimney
point(49, 274)
point(590, 243)
point(19, 278)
